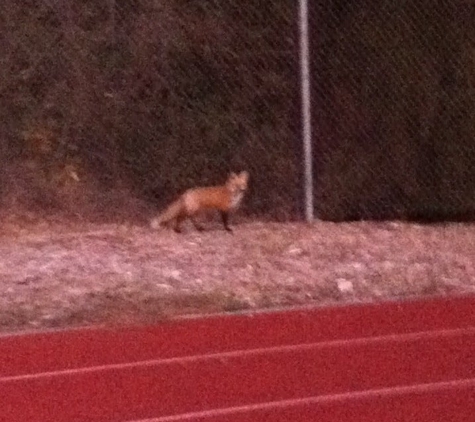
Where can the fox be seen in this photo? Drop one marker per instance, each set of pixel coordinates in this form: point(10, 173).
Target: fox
point(224, 198)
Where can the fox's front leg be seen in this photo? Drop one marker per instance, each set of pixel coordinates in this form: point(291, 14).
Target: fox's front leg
point(225, 218)
point(197, 225)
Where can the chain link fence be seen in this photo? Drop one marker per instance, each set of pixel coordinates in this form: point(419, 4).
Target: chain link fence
point(393, 109)
point(113, 105)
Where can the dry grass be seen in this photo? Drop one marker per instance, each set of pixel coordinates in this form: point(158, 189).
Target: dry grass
point(59, 274)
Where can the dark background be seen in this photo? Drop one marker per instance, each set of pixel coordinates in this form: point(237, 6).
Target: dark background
point(112, 107)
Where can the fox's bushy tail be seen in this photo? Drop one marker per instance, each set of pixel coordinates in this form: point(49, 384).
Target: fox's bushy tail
point(171, 212)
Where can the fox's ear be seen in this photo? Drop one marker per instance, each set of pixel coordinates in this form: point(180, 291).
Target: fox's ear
point(244, 175)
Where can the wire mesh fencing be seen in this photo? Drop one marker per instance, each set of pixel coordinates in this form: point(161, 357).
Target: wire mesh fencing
point(393, 109)
point(107, 100)
point(150, 97)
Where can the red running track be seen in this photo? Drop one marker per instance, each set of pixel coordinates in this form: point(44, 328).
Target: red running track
point(406, 361)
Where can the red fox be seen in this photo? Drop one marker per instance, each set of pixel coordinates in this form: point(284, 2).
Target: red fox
point(224, 198)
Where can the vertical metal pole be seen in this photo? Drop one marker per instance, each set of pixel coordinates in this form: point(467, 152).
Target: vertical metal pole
point(306, 109)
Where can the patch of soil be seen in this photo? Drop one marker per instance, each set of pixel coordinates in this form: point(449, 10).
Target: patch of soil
point(61, 274)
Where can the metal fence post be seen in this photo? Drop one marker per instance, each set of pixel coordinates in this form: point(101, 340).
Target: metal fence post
point(306, 109)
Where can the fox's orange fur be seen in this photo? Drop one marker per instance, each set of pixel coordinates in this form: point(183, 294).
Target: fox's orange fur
point(225, 198)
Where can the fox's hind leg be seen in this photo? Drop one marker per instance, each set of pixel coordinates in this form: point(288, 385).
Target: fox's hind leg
point(225, 218)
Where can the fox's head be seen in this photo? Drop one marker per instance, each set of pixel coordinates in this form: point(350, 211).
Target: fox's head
point(238, 182)
point(237, 185)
